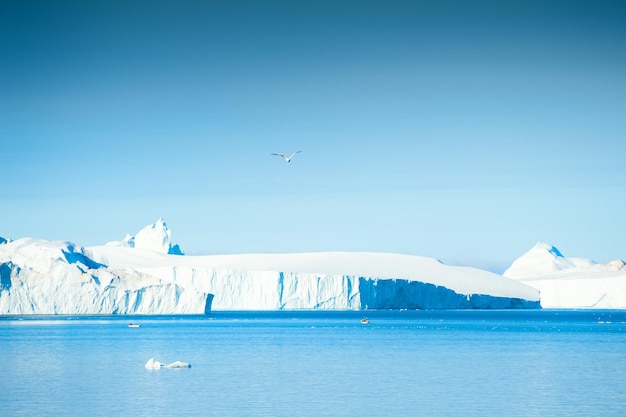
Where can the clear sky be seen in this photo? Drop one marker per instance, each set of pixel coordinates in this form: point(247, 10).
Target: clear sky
point(462, 130)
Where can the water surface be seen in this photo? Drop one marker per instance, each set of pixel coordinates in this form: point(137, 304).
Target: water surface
point(316, 363)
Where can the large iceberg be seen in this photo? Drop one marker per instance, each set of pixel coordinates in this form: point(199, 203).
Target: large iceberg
point(327, 280)
point(571, 282)
point(144, 277)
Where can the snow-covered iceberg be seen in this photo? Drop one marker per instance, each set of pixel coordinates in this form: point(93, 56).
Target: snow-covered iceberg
point(326, 280)
point(571, 282)
point(144, 277)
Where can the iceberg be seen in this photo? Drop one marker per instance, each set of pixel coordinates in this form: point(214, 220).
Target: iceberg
point(570, 282)
point(326, 280)
point(152, 364)
point(145, 275)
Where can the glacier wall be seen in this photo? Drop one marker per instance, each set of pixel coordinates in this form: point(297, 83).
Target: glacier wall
point(270, 290)
point(411, 295)
point(265, 290)
point(72, 291)
point(66, 289)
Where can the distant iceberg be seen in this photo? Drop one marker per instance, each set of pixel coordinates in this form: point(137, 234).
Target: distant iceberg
point(571, 282)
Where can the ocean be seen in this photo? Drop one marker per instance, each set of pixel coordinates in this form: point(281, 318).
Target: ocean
point(317, 363)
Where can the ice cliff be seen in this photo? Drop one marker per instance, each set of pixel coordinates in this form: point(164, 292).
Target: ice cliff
point(328, 280)
point(571, 282)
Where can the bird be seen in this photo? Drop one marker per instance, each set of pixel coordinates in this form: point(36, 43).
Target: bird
point(285, 157)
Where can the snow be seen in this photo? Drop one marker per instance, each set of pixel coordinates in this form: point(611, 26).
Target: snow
point(543, 259)
point(571, 282)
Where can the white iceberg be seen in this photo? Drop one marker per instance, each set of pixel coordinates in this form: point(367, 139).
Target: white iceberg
point(152, 364)
point(325, 280)
point(571, 282)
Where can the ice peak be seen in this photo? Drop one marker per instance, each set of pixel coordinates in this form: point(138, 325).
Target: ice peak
point(155, 237)
point(543, 259)
point(545, 247)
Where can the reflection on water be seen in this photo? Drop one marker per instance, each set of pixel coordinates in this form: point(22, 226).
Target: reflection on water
point(514, 363)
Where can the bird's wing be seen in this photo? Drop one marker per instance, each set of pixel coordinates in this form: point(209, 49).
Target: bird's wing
point(294, 154)
point(279, 154)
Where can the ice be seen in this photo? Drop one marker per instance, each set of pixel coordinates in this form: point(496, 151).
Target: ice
point(543, 259)
point(44, 277)
point(53, 277)
point(152, 364)
point(571, 282)
point(177, 364)
point(155, 237)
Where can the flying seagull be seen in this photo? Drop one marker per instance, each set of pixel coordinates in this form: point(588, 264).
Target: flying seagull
point(286, 158)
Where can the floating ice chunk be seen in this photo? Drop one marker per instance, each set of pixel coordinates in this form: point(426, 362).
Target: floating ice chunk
point(177, 364)
point(152, 364)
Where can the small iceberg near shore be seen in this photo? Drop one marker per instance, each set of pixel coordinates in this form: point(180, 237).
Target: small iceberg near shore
point(152, 364)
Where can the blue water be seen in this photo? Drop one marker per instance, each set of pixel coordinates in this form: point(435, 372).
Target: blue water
point(405, 363)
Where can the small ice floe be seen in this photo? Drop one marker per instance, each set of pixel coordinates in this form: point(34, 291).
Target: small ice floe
point(152, 364)
point(177, 364)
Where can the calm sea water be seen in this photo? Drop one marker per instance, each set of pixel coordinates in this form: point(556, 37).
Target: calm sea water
point(405, 363)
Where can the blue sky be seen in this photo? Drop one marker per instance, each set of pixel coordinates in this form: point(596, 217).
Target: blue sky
point(465, 131)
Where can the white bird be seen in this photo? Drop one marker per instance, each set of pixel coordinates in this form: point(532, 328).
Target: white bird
point(285, 157)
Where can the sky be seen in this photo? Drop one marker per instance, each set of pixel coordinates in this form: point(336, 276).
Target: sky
point(467, 131)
